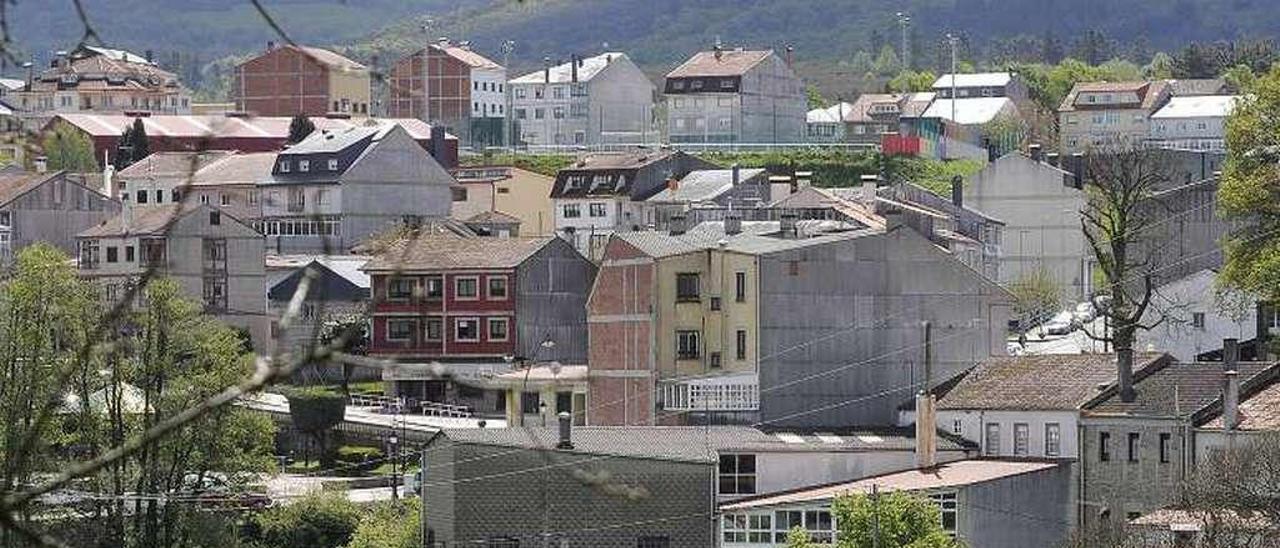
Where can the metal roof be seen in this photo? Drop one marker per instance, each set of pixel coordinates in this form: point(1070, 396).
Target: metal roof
point(981, 79)
point(1198, 106)
point(588, 68)
point(971, 110)
point(704, 184)
point(833, 114)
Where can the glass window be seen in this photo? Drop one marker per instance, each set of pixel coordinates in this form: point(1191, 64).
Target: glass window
point(1165, 439)
point(598, 209)
point(435, 329)
point(497, 287)
point(435, 287)
point(737, 474)
point(740, 286)
point(128, 254)
point(1104, 446)
point(466, 329)
point(687, 287)
point(1134, 446)
point(113, 254)
point(948, 508)
point(571, 211)
point(466, 288)
point(399, 330)
point(1052, 439)
point(993, 439)
point(497, 329)
point(687, 345)
point(304, 165)
point(215, 293)
point(1021, 439)
point(399, 289)
point(742, 344)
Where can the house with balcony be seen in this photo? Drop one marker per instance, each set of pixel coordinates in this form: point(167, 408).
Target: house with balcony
point(603, 193)
point(735, 96)
point(97, 80)
point(47, 207)
point(216, 259)
point(455, 312)
point(335, 189)
point(605, 99)
point(722, 319)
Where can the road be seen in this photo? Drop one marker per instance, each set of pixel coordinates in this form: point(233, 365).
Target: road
point(1075, 342)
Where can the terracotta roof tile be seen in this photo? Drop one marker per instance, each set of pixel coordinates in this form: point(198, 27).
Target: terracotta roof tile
point(449, 252)
point(1058, 382)
point(730, 63)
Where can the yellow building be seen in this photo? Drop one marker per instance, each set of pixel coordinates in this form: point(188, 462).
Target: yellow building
point(519, 193)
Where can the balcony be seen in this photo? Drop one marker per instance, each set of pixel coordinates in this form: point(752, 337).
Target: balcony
point(733, 392)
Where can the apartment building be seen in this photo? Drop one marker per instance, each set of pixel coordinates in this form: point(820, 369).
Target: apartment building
point(290, 80)
point(98, 80)
point(333, 190)
point(706, 325)
point(1101, 114)
point(227, 180)
point(47, 207)
point(735, 96)
point(455, 311)
point(215, 258)
point(1192, 123)
point(730, 189)
point(588, 101)
point(520, 194)
point(603, 193)
point(455, 86)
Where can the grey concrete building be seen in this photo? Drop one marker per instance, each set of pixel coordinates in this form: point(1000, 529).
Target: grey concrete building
point(1040, 206)
point(734, 188)
point(47, 207)
point(605, 99)
point(339, 294)
point(986, 503)
point(333, 190)
point(1196, 320)
point(217, 260)
point(225, 179)
point(1184, 233)
point(735, 96)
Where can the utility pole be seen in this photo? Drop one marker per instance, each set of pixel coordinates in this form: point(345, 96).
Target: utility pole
point(508, 47)
point(954, 41)
point(904, 21)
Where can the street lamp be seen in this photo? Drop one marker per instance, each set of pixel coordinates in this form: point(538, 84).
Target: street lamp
point(393, 441)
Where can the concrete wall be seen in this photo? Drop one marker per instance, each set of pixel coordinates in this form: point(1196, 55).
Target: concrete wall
point(972, 427)
point(617, 108)
point(551, 297)
point(1032, 509)
point(717, 330)
point(1121, 487)
point(476, 493)
point(800, 469)
point(842, 342)
point(769, 107)
point(527, 196)
point(54, 212)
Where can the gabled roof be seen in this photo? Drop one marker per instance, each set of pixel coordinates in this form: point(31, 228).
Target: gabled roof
point(981, 79)
point(15, 183)
point(173, 164)
point(1057, 382)
point(1179, 389)
point(1198, 106)
point(184, 126)
point(344, 269)
point(860, 111)
point(606, 162)
point(588, 68)
point(948, 475)
point(448, 252)
point(1149, 94)
point(704, 184)
point(970, 110)
point(1198, 86)
point(146, 220)
point(492, 217)
point(833, 114)
point(118, 54)
point(732, 62)
point(329, 58)
point(467, 56)
point(1259, 407)
point(750, 242)
point(332, 141)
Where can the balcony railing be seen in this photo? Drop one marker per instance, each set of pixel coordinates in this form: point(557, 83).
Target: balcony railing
point(727, 393)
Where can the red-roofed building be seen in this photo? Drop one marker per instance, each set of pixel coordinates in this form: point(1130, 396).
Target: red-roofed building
point(291, 80)
point(454, 86)
point(168, 133)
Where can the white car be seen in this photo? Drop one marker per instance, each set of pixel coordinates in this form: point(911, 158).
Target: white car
point(1061, 324)
point(1085, 312)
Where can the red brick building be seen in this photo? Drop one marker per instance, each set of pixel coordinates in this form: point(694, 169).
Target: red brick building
point(451, 308)
point(452, 85)
point(291, 80)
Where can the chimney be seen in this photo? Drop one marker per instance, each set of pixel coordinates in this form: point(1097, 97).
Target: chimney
point(719, 51)
point(271, 44)
point(573, 68)
point(108, 173)
point(732, 224)
point(787, 225)
point(1077, 169)
point(1230, 384)
point(42, 164)
point(957, 191)
point(438, 146)
point(673, 184)
point(790, 55)
point(737, 174)
point(60, 58)
point(1036, 152)
point(870, 182)
point(546, 70)
point(566, 430)
point(1124, 366)
point(1051, 159)
point(803, 179)
point(677, 225)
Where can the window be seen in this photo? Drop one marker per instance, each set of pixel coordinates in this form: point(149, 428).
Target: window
point(539, 113)
point(715, 303)
point(399, 289)
point(1104, 446)
point(1197, 320)
point(742, 344)
point(6, 219)
point(497, 329)
point(687, 287)
point(284, 166)
point(598, 209)
point(716, 360)
point(653, 541)
point(204, 198)
point(128, 253)
point(113, 254)
point(1134, 446)
point(686, 345)
point(322, 198)
point(753, 528)
point(333, 164)
point(1052, 439)
point(435, 329)
point(737, 474)
point(159, 196)
point(89, 254)
point(399, 330)
point(215, 218)
point(1021, 441)
point(142, 196)
point(521, 114)
point(224, 199)
point(557, 113)
point(740, 286)
point(154, 252)
point(435, 287)
point(993, 439)
point(497, 287)
point(957, 426)
point(466, 329)
point(215, 293)
point(948, 507)
point(215, 253)
point(466, 287)
point(571, 211)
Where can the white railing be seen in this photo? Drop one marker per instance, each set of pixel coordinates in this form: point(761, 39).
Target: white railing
point(735, 394)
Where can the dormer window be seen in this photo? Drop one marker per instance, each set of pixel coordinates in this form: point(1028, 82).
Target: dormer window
point(284, 166)
point(333, 164)
point(304, 166)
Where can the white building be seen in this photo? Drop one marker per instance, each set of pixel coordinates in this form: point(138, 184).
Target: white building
point(1193, 123)
point(587, 101)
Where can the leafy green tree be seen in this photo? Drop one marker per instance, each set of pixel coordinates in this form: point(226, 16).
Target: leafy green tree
point(319, 520)
point(1248, 191)
point(299, 128)
point(862, 63)
point(888, 519)
point(390, 525)
point(1240, 77)
point(139, 143)
point(1160, 67)
point(68, 149)
point(910, 81)
point(315, 411)
point(1035, 294)
point(798, 537)
point(814, 97)
point(887, 63)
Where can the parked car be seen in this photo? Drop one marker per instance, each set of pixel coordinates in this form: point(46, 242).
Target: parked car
point(1061, 324)
point(1085, 313)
